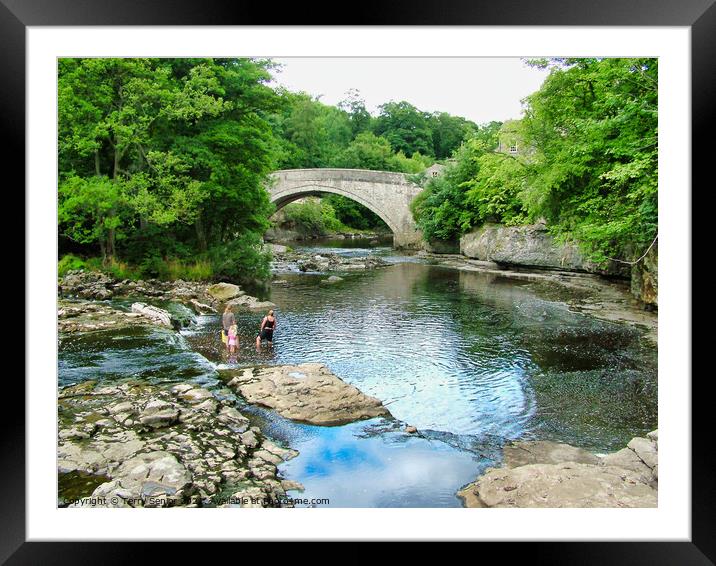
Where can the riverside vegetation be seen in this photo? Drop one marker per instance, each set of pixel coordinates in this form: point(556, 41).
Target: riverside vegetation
point(162, 162)
point(584, 157)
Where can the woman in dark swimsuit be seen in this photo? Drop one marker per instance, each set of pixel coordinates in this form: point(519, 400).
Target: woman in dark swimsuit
point(268, 325)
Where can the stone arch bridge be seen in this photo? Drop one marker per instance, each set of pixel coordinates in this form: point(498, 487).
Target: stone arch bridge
point(385, 193)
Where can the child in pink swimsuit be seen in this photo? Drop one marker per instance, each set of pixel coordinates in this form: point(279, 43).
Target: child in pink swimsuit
point(233, 338)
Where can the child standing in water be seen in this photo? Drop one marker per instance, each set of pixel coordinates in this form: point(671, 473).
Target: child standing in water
point(233, 338)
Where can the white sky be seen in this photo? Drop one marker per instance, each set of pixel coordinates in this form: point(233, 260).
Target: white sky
point(480, 89)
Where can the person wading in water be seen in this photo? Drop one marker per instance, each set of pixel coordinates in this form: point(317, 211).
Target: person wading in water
point(227, 321)
point(268, 325)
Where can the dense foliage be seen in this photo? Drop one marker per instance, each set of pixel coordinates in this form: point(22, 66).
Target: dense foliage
point(594, 126)
point(401, 138)
point(162, 162)
point(313, 217)
point(587, 162)
point(165, 159)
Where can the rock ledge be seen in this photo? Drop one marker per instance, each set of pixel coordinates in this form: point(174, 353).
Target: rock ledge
point(551, 474)
point(307, 393)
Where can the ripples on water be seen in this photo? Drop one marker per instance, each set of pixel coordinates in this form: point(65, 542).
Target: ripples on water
point(472, 360)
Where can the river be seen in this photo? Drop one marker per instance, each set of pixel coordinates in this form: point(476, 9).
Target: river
point(472, 360)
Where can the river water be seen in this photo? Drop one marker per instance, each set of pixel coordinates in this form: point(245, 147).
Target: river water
point(472, 360)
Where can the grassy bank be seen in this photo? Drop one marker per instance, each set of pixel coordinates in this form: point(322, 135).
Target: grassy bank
point(170, 269)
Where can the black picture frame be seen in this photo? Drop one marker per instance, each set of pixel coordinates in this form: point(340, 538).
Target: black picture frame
point(699, 15)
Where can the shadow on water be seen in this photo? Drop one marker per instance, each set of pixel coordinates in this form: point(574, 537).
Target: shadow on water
point(471, 360)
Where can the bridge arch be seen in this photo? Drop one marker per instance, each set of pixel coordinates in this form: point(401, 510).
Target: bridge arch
point(385, 193)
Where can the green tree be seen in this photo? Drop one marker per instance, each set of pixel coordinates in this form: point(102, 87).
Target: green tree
point(416, 163)
point(367, 151)
point(593, 126)
point(91, 210)
point(449, 132)
point(316, 131)
point(442, 210)
point(185, 143)
point(354, 105)
point(405, 127)
point(494, 194)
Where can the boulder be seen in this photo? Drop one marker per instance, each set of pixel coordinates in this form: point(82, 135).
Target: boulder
point(154, 314)
point(154, 479)
point(277, 248)
point(331, 280)
point(251, 303)
point(306, 393)
point(310, 265)
point(520, 245)
point(645, 449)
point(201, 308)
point(89, 316)
point(645, 278)
point(249, 439)
point(224, 291)
point(626, 458)
point(196, 395)
point(157, 414)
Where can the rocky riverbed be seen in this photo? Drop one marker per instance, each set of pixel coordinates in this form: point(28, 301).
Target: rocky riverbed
point(176, 444)
point(550, 474)
point(142, 445)
point(88, 316)
point(606, 299)
point(287, 259)
point(200, 297)
point(166, 446)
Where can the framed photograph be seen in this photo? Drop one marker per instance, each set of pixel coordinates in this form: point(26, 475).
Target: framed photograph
point(389, 279)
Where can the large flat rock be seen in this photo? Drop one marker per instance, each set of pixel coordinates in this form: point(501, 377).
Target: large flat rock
point(552, 474)
point(307, 393)
point(544, 452)
point(568, 484)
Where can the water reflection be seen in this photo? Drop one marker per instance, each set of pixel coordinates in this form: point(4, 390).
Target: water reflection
point(355, 466)
point(463, 352)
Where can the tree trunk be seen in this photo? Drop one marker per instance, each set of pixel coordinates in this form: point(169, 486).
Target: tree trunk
point(96, 162)
point(110, 244)
point(200, 233)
